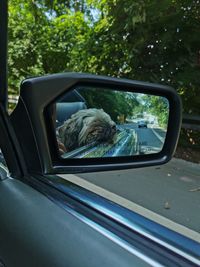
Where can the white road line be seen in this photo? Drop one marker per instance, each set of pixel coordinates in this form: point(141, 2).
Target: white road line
point(134, 207)
point(162, 139)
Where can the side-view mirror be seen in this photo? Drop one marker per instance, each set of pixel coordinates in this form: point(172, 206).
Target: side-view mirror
point(80, 122)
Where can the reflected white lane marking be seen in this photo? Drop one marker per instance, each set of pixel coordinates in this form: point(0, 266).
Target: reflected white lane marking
point(162, 139)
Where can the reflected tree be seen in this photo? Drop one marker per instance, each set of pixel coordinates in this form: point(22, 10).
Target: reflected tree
point(117, 104)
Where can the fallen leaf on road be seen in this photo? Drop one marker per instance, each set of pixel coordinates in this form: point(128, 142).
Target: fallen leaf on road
point(195, 189)
point(167, 206)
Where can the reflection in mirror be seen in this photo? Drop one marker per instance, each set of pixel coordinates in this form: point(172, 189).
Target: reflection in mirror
point(96, 122)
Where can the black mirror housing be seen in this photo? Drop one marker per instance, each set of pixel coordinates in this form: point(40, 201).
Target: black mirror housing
point(32, 123)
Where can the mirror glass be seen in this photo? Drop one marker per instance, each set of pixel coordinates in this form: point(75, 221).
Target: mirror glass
point(96, 122)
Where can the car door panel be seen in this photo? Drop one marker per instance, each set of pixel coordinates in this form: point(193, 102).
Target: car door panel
point(34, 231)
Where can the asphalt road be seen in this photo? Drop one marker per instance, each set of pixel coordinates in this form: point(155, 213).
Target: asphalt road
point(150, 140)
point(171, 190)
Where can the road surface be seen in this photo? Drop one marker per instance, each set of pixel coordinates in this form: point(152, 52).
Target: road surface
point(171, 190)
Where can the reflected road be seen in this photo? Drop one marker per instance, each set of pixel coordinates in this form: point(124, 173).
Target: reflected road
point(150, 140)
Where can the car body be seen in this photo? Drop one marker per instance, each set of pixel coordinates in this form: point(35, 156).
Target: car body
point(142, 124)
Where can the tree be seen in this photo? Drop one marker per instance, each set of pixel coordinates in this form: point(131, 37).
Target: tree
point(42, 40)
point(157, 41)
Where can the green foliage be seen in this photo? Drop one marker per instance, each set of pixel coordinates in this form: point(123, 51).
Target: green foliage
point(24, 53)
point(115, 103)
point(159, 107)
point(157, 41)
point(42, 41)
point(153, 105)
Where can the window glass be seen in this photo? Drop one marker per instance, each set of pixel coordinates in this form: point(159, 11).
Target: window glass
point(156, 41)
